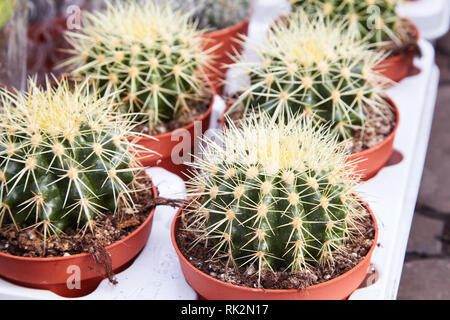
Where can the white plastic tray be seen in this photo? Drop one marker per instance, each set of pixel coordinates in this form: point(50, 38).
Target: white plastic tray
point(392, 195)
point(393, 192)
point(432, 17)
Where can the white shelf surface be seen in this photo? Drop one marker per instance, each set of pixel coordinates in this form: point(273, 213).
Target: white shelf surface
point(432, 17)
point(392, 195)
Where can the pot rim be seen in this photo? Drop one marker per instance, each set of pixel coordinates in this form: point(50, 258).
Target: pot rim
point(364, 152)
point(228, 30)
point(186, 127)
point(84, 255)
point(387, 140)
point(190, 125)
point(273, 291)
point(400, 55)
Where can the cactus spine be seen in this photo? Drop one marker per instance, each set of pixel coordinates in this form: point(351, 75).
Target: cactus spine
point(65, 158)
point(278, 195)
point(314, 67)
point(150, 54)
point(216, 14)
point(373, 20)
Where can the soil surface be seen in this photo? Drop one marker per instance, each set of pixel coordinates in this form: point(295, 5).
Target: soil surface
point(407, 34)
point(197, 109)
point(379, 125)
point(110, 228)
point(201, 257)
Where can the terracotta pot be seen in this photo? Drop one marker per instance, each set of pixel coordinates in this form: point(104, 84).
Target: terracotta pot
point(400, 66)
point(54, 273)
point(225, 39)
point(372, 160)
point(210, 288)
point(184, 138)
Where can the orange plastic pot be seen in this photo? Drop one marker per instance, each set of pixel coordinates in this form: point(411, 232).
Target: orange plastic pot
point(55, 274)
point(368, 162)
point(175, 148)
point(371, 161)
point(210, 288)
point(400, 66)
point(227, 46)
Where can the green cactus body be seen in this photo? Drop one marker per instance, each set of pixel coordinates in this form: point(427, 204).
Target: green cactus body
point(64, 158)
point(278, 195)
point(150, 56)
point(314, 67)
point(216, 14)
point(293, 221)
point(371, 20)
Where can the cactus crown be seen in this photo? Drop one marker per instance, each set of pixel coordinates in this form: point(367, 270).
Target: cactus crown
point(65, 157)
point(312, 66)
point(275, 194)
point(216, 14)
point(150, 54)
point(370, 20)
